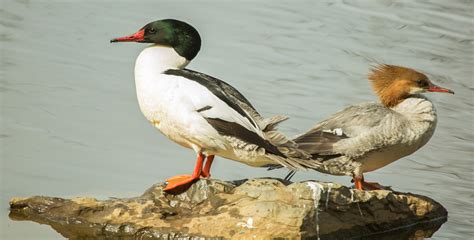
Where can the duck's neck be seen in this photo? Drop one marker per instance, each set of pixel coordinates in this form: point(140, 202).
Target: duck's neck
point(156, 59)
point(392, 95)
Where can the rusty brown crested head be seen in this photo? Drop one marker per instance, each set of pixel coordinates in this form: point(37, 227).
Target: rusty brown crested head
point(393, 84)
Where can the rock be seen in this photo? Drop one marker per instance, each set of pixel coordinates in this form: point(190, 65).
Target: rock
point(257, 208)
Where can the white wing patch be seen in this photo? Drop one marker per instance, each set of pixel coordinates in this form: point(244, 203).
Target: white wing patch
point(336, 131)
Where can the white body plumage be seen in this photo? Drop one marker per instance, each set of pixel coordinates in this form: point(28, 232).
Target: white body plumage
point(171, 104)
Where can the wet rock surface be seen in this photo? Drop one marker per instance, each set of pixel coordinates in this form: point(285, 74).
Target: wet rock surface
point(253, 209)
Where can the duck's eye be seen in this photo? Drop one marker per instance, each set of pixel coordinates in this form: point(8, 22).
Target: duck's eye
point(152, 30)
point(422, 82)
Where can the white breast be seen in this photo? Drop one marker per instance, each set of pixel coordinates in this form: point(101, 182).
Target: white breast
point(171, 102)
point(156, 93)
point(151, 84)
point(420, 124)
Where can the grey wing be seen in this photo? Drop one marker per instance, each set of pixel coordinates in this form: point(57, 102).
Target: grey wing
point(320, 141)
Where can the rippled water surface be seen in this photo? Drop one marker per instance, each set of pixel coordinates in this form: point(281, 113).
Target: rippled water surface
point(70, 124)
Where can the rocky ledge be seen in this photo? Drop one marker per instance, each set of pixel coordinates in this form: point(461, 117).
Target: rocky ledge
point(246, 209)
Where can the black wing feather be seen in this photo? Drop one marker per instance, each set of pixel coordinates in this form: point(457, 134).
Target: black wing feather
point(235, 130)
point(219, 88)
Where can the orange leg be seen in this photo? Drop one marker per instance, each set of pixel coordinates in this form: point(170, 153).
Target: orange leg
point(181, 180)
point(360, 184)
point(206, 171)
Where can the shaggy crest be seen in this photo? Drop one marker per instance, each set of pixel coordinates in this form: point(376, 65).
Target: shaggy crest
point(393, 83)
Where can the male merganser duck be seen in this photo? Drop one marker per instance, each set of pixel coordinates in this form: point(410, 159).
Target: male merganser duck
point(368, 136)
point(198, 111)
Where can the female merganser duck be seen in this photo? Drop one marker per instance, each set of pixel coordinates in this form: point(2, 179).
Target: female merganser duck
point(198, 111)
point(368, 136)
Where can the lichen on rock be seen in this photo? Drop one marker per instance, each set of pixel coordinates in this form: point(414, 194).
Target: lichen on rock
point(245, 209)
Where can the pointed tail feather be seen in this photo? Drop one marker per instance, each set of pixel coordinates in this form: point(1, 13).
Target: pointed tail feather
point(285, 145)
point(298, 151)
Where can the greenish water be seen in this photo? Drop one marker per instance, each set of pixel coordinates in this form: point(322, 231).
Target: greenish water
point(70, 124)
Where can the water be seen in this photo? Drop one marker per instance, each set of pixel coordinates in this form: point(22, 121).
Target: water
point(70, 124)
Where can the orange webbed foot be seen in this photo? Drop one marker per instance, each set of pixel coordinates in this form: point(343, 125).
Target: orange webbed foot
point(179, 181)
point(360, 184)
point(374, 186)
